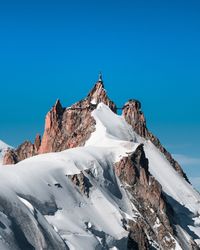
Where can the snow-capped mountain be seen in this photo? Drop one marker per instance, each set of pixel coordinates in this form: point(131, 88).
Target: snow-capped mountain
point(96, 180)
point(3, 149)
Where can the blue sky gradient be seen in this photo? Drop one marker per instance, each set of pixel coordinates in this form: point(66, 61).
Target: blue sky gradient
point(149, 50)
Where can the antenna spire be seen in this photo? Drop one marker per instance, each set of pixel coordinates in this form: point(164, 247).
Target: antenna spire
point(100, 77)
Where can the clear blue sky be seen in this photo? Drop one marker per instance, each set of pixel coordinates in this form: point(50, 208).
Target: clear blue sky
point(148, 50)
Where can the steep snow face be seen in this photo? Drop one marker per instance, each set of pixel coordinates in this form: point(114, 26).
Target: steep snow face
point(180, 194)
point(43, 184)
point(73, 200)
point(3, 148)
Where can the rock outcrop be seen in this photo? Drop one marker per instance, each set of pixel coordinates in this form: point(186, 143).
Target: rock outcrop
point(10, 157)
point(25, 150)
point(82, 182)
point(135, 117)
point(137, 238)
point(146, 194)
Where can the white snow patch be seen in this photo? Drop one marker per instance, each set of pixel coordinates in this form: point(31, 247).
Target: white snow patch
point(93, 101)
point(28, 204)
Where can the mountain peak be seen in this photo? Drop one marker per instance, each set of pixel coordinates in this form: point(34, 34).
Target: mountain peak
point(71, 127)
point(122, 173)
point(98, 94)
point(58, 107)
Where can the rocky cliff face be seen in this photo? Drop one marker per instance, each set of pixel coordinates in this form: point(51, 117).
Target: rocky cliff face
point(135, 117)
point(67, 127)
point(144, 189)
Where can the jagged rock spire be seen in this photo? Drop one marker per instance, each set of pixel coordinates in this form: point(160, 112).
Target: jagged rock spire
point(58, 107)
point(135, 117)
point(98, 94)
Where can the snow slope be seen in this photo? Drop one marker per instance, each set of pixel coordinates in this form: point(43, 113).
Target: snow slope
point(46, 177)
point(62, 217)
point(181, 195)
